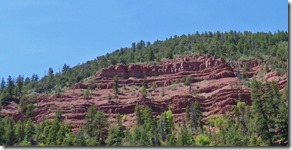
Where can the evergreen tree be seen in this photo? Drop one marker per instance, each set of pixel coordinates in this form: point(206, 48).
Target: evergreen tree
point(185, 137)
point(19, 131)
point(10, 86)
point(113, 136)
point(9, 134)
point(65, 68)
point(195, 115)
point(69, 140)
point(260, 112)
point(50, 72)
point(4, 96)
point(143, 92)
point(115, 85)
point(19, 83)
point(138, 114)
point(29, 131)
point(54, 128)
point(23, 103)
point(26, 81)
point(95, 125)
point(61, 134)
point(34, 77)
point(172, 140)
point(169, 121)
point(2, 84)
point(151, 56)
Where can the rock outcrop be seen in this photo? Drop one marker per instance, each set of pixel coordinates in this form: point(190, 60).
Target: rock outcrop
point(214, 84)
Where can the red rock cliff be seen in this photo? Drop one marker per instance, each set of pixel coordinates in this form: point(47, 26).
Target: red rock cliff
point(213, 84)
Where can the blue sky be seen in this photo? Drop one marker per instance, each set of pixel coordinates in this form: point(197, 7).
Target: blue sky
point(38, 34)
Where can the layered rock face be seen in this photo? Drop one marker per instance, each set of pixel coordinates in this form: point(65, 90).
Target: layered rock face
point(179, 65)
point(214, 84)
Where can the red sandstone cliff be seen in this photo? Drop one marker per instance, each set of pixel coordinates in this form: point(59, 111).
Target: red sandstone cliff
point(214, 85)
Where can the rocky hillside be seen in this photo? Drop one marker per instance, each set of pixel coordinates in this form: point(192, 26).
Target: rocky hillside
point(214, 83)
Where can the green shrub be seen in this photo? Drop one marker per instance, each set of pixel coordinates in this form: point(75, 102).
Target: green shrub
point(202, 140)
point(154, 86)
point(187, 80)
point(173, 87)
point(143, 91)
point(86, 94)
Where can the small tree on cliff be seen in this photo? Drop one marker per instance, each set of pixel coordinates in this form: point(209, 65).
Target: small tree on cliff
point(162, 93)
point(188, 82)
point(144, 87)
point(143, 92)
point(86, 94)
point(91, 85)
point(115, 84)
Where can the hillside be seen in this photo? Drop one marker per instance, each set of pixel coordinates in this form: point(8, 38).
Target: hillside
point(214, 84)
point(199, 90)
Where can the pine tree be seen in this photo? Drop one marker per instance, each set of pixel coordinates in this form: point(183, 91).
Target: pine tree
point(172, 140)
point(9, 134)
point(61, 134)
point(138, 114)
point(19, 131)
point(29, 131)
point(19, 83)
point(195, 115)
point(113, 136)
point(54, 128)
point(260, 112)
point(169, 121)
point(2, 84)
point(69, 140)
point(23, 103)
point(115, 85)
point(185, 137)
point(10, 86)
point(26, 81)
point(96, 123)
point(143, 92)
point(151, 56)
point(162, 93)
point(4, 96)
point(50, 72)
point(144, 87)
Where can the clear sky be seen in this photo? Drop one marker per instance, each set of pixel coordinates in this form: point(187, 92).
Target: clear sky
point(38, 34)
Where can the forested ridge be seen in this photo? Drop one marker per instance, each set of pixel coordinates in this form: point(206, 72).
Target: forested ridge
point(264, 123)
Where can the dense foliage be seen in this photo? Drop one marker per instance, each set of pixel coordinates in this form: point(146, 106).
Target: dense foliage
point(263, 123)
